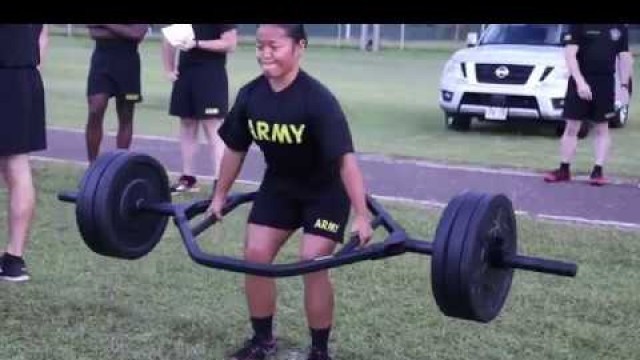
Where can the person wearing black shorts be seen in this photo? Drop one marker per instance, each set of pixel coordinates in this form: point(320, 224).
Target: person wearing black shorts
point(591, 53)
point(200, 94)
point(311, 180)
point(22, 118)
point(114, 71)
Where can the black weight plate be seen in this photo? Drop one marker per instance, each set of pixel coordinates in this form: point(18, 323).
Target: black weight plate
point(492, 232)
point(456, 244)
point(439, 256)
point(126, 232)
point(85, 217)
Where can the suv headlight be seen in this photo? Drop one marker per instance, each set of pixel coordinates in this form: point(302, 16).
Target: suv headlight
point(455, 69)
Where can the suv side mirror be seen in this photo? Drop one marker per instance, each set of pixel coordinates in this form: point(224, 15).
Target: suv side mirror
point(472, 39)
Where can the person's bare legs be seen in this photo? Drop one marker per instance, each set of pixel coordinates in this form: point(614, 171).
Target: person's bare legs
point(318, 291)
point(262, 246)
point(569, 141)
point(16, 173)
point(216, 145)
point(125, 110)
point(93, 130)
point(188, 143)
point(568, 145)
point(601, 142)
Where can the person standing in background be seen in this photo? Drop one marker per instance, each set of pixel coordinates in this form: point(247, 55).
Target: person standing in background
point(22, 118)
point(200, 94)
point(591, 51)
point(114, 71)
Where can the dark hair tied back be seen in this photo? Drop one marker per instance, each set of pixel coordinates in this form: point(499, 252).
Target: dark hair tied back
point(295, 32)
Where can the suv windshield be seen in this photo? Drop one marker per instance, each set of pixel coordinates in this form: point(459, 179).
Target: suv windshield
point(523, 34)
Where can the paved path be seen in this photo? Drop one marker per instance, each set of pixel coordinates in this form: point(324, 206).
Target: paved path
point(434, 184)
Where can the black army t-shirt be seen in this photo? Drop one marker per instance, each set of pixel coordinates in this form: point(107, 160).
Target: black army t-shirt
point(18, 46)
point(301, 130)
point(199, 56)
point(598, 46)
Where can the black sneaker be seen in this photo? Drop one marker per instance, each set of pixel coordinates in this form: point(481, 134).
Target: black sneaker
point(255, 349)
point(317, 354)
point(13, 270)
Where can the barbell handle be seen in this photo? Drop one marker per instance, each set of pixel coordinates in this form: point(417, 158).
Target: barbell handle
point(354, 240)
point(530, 263)
point(68, 196)
point(232, 202)
point(204, 225)
point(353, 244)
point(382, 217)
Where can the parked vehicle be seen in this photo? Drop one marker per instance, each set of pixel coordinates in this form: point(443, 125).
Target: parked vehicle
point(511, 72)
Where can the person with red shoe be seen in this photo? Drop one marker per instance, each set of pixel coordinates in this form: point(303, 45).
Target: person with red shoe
point(591, 52)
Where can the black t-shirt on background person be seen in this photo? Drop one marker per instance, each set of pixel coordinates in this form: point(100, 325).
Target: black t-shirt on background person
point(199, 56)
point(598, 46)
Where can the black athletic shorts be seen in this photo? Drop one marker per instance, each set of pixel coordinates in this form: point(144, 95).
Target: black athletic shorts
point(22, 111)
point(321, 212)
point(601, 108)
point(200, 92)
point(115, 74)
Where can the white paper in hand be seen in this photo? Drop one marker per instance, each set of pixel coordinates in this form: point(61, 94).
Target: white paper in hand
point(178, 34)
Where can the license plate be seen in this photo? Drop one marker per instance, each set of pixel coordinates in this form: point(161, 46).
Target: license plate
point(496, 113)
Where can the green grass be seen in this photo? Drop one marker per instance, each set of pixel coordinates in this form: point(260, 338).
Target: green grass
point(164, 306)
point(390, 99)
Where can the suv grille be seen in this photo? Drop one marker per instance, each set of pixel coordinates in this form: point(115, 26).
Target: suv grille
point(503, 74)
point(510, 101)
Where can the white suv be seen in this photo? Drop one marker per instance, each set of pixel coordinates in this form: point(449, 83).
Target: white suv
point(514, 71)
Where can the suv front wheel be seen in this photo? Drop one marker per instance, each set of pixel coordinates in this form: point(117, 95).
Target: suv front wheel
point(457, 121)
point(622, 115)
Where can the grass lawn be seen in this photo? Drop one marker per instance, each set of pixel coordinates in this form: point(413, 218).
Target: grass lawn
point(390, 99)
point(82, 306)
